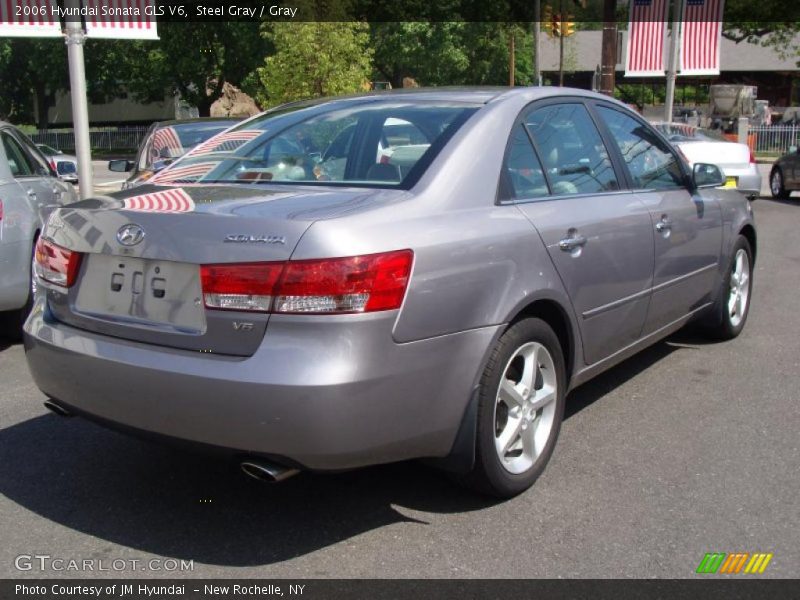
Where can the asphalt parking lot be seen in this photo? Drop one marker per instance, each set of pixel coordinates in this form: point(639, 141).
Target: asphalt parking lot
point(690, 447)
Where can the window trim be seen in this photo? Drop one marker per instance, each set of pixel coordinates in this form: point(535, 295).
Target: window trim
point(630, 180)
point(7, 131)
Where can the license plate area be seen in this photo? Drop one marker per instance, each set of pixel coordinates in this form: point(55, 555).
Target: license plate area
point(730, 182)
point(142, 292)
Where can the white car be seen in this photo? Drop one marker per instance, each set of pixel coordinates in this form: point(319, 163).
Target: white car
point(29, 190)
point(65, 165)
point(707, 146)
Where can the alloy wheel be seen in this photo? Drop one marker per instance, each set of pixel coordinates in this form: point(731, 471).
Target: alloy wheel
point(739, 287)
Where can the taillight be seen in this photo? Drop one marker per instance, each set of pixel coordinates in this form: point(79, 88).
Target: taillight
point(752, 157)
point(56, 264)
point(247, 286)
point(53, 166)
point(354, 284)
point(1, 210)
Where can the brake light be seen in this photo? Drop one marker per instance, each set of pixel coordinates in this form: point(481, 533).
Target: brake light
point(354, 284)
point(1, 210)
point(53, 165)
point(247, 286)
point(752, 157)
point(56, 264)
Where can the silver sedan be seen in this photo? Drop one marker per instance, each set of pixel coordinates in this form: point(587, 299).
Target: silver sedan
point(29, 189)
point(430, 284)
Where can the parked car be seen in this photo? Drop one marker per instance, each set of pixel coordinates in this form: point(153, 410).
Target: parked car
point(440, 307)
point(736, 160)
point(165, 142)
point(65, 165)
point(784, 177)
point(29, 188)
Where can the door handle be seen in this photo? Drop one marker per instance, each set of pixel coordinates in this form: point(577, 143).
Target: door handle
point(575, 240)
point(665, 224)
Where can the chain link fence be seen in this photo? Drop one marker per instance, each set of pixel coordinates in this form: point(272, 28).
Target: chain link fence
point(101, 138)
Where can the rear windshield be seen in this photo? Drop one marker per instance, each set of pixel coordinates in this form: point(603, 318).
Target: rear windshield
point(371, 144)
point(173, 141)
point(686, 133)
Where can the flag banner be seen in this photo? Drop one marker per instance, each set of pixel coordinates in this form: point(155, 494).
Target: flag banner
point(121, 19)
point(186, 174)
point(700, 38)
point(225, 142)
point(647, 25)
point(34, 18)
point(175, 200)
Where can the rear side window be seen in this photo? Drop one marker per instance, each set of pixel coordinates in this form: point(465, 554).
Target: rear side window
point(18, 162)
point(650, 163)
point(524, 178)
point(571, 149)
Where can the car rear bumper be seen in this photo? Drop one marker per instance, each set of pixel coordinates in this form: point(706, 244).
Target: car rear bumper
point(748, 180)
point(334, 394)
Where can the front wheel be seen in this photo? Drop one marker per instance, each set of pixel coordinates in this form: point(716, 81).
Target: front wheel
point(520, 408)
point(777, 185)
point(733, 302)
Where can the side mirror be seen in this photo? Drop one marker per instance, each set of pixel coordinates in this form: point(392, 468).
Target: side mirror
point(120, 166)
point(705, 175)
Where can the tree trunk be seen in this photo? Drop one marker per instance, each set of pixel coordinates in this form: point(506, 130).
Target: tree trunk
point(204, 106)
point(43, 103)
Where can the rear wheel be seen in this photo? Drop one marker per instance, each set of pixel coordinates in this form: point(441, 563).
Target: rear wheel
point(520, 408)
point(733, 303)
point(777, 184)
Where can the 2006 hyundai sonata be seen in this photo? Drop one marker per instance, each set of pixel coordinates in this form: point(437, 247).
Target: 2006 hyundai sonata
point(354, 281)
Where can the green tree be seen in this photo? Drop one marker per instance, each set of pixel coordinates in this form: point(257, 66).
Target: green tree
point(314, 59)
point(194, 59)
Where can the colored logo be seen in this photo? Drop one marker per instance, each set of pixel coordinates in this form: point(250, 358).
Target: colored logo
point(130, 234)
point(734, 563)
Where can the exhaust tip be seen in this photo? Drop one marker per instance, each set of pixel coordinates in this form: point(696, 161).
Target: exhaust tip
point(57, 408)
point(268, 472)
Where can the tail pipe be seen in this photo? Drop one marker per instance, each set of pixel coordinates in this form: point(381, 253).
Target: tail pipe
point(267, 471)
point(56, 408)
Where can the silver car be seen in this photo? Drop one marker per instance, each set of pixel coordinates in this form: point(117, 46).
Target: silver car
point(438, 301)
point(65, 165)
point(29, 189)
point(735, 160)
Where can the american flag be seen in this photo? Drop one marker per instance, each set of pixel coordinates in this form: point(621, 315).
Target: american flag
point(139, 23)
point(41, 19)
point(646, 31)
point(225, 142)
point(167, 138)
point(180, 174)
point(702, 29)
point(175, 200)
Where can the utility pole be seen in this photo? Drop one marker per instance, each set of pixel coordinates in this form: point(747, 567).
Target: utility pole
point(672, 68)
point(512, 57)
point(608, 57)
point(75, 38)
point(561, 43)
point(537, 30)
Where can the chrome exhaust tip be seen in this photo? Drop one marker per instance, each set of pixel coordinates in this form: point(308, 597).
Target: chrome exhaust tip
point(57, 408)
point(267, 471)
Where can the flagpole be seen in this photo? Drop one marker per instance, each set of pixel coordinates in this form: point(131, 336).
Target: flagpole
point(672, 67)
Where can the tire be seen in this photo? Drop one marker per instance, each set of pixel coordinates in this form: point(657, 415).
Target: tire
point(777, 184)
point(518, 424)
point(733, 302)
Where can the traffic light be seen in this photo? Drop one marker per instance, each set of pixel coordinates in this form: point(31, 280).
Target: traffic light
point(556, 25)
point(568, 26)
point(547, 19)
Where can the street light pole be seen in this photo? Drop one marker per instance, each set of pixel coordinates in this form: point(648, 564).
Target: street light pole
point(75, 38)
point(672, 67)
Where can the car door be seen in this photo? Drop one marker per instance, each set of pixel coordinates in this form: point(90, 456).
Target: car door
point(687, 225)
point(34, 173)
point(599, 236)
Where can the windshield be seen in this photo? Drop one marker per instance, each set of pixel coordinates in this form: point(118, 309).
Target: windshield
point(370, 144)
point(169, 143)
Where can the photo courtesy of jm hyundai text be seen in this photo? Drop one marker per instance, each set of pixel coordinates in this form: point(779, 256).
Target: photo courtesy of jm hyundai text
point(404, 275)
